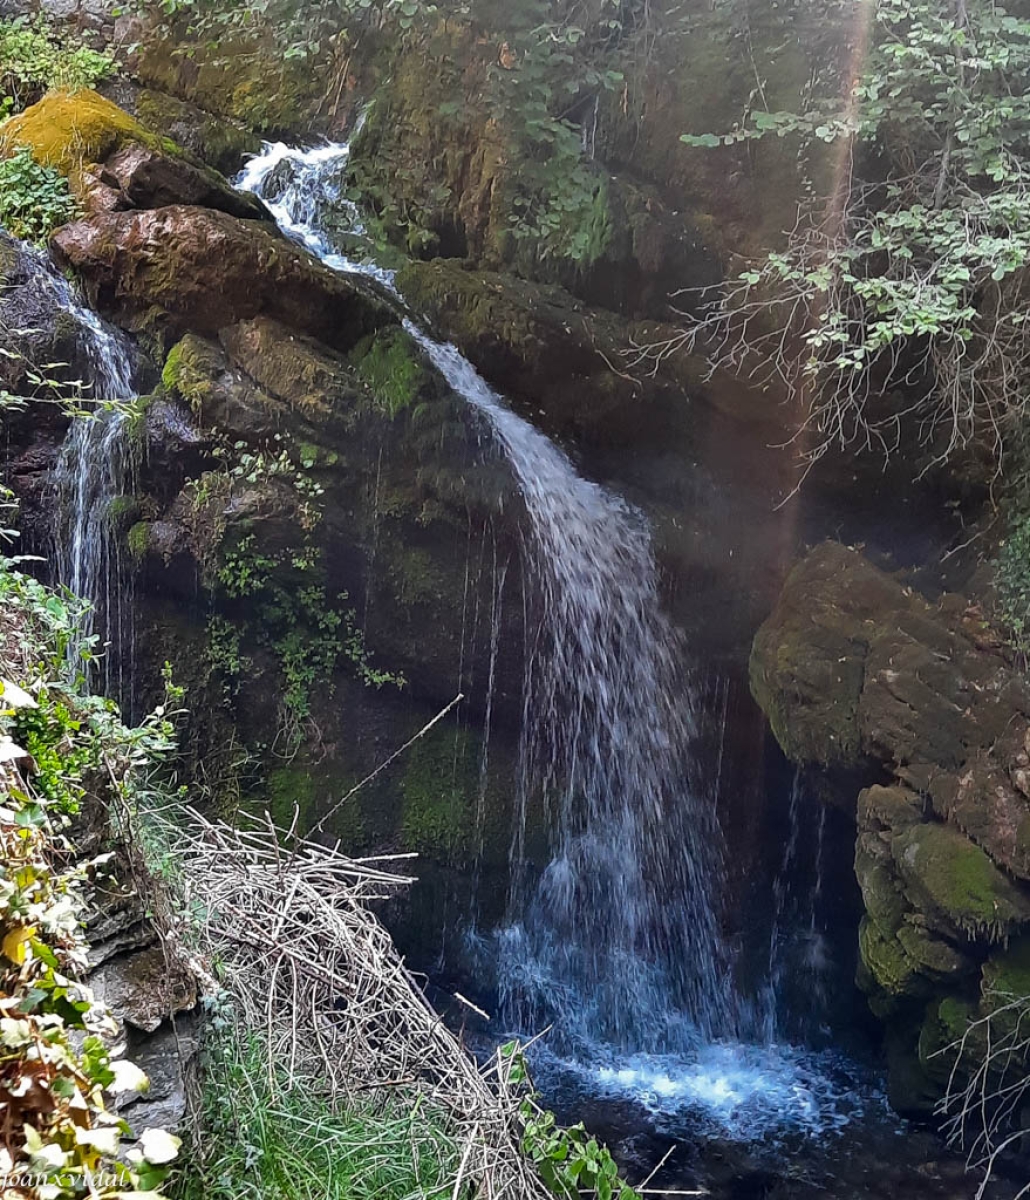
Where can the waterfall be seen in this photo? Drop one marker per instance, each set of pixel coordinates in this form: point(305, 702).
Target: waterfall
point(798, 961)
point(615, 941)
point(96, 468)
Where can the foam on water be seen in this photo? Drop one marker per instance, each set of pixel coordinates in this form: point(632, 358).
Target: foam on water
point(773, 1097)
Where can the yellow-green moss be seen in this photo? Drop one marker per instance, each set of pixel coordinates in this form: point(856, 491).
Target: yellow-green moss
point(70, 130)
point(887, 961)
point(138, 540)
point(1007, 973)
point(439, 791)
point(944, 1024)
point(188, 370)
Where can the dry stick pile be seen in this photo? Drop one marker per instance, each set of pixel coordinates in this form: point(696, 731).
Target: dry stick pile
point(308, 964)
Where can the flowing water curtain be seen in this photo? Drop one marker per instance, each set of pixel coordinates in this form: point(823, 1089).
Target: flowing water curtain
point(94, 482)
point(619, 939)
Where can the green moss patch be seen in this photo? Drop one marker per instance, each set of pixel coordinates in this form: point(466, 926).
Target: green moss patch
point(394, 374)
point(947, 873)
point(70, 130)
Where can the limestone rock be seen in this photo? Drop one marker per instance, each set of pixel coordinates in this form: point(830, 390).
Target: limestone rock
point(145, 987)
point(955, 883)
point(149, 178)
point(855, 669)
point(185, 268)
point(292, 368)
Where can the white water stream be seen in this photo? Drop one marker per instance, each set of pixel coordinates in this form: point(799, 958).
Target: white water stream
point(96, 468)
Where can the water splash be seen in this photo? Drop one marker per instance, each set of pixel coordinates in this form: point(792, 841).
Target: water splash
point(743, 1093)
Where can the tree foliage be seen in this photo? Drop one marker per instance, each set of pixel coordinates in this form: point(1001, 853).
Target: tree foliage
point(909, 272)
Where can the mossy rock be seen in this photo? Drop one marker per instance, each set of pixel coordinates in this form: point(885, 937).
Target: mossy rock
point(138, 540)
point(111, 160)
point(220, 143)
point(881, 892)
point(955, 883)
point(895, 807)
point(71, 130)
point(936, 958)
point(443, 797)
point(1007, 971)
point(888, 963)
point(301, 790)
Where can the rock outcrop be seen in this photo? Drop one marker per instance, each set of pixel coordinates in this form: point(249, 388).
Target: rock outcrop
point(186, 268)
point(309, 479)
point(860, 674)
point(113, 162)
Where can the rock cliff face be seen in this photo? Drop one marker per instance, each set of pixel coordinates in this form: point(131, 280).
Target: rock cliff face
point(321, 533)
point(861, 675)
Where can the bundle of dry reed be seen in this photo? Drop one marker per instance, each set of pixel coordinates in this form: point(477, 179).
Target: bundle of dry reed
point(309, 966)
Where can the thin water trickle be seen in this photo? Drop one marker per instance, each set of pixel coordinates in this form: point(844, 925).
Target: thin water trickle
point(95, 468)
point(615, 941)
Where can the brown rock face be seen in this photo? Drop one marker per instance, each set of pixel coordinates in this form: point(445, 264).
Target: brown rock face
point(148, 178)
point(853, 667)
point(857, 671)
point(186, 268)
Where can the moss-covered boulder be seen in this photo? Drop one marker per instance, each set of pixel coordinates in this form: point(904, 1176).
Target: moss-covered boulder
point(291, 368)
point(955, 884)
point(860, 673)
point(553, 356)
point(220, 142)
point(188, 269)
point(112, 161)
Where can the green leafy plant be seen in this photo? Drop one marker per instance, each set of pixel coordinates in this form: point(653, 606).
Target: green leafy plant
point(56, 1070)
point(34, 199)
point(569, 1161)
point(910, 274)
point(34, 57)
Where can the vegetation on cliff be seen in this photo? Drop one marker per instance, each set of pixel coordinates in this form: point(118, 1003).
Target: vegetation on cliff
point(68, 768)
point(900, 299)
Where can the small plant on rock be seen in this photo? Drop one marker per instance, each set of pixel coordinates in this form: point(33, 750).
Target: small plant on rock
point(34, 199)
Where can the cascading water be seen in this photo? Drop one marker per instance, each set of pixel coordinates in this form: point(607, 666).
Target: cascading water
point(797, 950)
point(95, 468)
point(616, 942)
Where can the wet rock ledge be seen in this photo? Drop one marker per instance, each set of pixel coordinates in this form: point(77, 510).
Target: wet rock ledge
point(866, 680)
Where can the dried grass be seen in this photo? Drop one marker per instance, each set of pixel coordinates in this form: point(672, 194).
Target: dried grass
point(310, 968)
